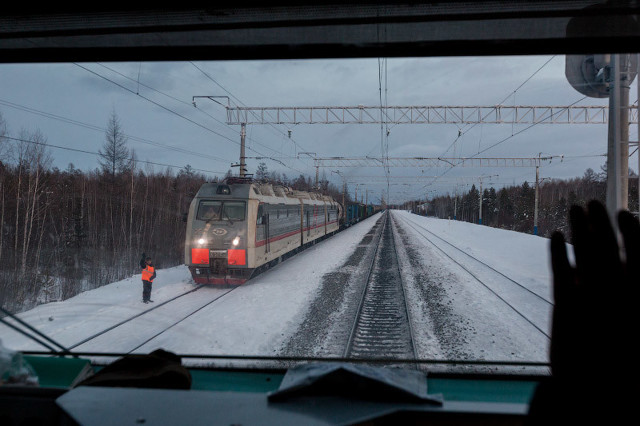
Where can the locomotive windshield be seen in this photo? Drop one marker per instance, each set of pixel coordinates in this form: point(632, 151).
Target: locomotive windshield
point(221, 210)
point(430, 230)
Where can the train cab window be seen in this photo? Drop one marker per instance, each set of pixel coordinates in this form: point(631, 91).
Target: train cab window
point(233, 210)
point(217, 210)
point(209, 210)
point(260, 220)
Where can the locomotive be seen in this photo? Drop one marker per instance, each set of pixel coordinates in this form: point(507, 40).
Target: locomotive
point(238, 227)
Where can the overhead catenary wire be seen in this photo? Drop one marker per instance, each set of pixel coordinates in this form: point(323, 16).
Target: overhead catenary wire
point(178, 100)
point(174, 112)
point(462, 132)
point(101, 129)
point(97, 153)
point(542, 120)
point(300, 148)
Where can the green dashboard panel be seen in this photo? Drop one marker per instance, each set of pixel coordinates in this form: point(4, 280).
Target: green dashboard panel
point(65, 372)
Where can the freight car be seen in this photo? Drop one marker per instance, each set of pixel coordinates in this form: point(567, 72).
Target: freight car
point(355, 212)
point(238, 227)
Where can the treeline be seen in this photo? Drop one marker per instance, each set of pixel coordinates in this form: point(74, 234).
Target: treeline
point(66, 231)
point(513, 207)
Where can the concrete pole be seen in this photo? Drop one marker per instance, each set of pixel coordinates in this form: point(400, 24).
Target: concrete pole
point(536, 202)
point(366, 202)
point(344, 206)
point(614, 194)
point(480, 214)
point(455, 206)
point(624, 131)
point(243, 134)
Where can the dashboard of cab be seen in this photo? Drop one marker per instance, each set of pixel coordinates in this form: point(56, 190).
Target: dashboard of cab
point(224, 396)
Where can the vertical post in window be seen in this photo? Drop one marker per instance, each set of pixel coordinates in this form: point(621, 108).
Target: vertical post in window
point(614, 199)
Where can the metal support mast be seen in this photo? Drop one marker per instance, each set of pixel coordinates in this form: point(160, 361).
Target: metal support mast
point(481, 196)
point(243, 134)
point(536, 202)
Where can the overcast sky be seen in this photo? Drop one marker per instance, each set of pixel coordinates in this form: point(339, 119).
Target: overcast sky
point(71, 103)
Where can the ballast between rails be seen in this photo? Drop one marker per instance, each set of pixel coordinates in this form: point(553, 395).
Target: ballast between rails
point(382, 321)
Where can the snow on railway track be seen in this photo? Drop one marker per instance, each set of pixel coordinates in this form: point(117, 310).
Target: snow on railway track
point(464, 310)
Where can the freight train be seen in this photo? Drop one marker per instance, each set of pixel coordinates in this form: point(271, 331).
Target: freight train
point(238, 227)
point(355, 212)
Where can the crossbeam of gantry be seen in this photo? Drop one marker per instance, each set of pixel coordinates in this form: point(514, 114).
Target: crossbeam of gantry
point(429, 162)
point(497, 114)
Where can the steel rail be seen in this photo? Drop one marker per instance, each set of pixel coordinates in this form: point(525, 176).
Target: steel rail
point(544, 299)
point(402, 286)
point(484, 284)
point(383, 309)
point(180, 320)
point(362, 296)
point(106, 330)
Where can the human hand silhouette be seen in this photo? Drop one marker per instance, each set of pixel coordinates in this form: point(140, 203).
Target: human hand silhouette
point(592, 300)
point(594, 320)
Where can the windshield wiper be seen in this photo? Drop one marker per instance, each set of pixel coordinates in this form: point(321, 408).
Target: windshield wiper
point(227, 214)
point(214, 217)
point(24, 333)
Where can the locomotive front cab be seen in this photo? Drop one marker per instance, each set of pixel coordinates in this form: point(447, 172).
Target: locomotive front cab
point(216, 246)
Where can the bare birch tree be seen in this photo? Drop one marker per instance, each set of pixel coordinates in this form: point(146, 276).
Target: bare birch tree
point(3, 142)
point(37, 160)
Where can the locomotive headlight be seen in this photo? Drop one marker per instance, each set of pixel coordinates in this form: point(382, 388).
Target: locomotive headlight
point(236, 241)
point(202, 241)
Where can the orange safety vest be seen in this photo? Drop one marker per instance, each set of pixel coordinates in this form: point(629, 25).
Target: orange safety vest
point(147, 273)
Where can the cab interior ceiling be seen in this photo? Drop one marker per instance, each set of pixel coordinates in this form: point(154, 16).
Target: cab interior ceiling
point(285, 30)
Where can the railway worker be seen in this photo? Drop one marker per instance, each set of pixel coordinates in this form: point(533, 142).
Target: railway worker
point(148, 275)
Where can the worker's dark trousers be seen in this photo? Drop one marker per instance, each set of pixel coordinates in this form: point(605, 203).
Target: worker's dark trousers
point(146, 290)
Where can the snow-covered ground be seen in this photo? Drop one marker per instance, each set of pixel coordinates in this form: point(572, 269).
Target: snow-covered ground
point(253, 319)
point(468, 311)
point(259, 317)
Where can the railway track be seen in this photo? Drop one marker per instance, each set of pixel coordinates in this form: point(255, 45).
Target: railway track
point(150, 335)
point(523, 301)
point(382, 327)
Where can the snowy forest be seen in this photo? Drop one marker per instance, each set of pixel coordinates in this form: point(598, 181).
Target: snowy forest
point(513, 207)
point(67, 231)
